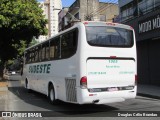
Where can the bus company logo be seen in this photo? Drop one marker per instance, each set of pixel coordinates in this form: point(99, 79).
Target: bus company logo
point(43, 68)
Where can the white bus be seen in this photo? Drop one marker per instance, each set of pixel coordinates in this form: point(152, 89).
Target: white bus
point(91, 62)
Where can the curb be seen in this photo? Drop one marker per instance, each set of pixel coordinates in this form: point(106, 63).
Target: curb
point(148, 95)
point(3, 86)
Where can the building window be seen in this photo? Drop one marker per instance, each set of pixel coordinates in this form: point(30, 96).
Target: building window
point(127, 11)
point(145, 6)
point(134, 9)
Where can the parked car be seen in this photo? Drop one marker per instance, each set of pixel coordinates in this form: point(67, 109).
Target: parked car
point(11, 72)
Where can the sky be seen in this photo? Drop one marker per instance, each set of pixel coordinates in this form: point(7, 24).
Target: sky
point(67, 3)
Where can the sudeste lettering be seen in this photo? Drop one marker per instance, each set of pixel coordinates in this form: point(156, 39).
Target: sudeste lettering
point(43, 68)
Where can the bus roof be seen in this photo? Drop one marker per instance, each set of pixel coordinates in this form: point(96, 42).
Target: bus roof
point(99, 23)
point(87, 23)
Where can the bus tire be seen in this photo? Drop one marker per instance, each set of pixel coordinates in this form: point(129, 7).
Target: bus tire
point(51, 95)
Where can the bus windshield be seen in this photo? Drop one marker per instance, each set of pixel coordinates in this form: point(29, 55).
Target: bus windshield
point(109, 36)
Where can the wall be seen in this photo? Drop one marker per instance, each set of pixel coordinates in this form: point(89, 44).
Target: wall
point(147, 29)
point(88, 8)
point(109, 10)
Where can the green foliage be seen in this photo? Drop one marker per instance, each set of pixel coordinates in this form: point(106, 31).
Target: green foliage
point(9, 63)
point(20, 21)
point(33, 42)
point(15, 14)
point(20, 47)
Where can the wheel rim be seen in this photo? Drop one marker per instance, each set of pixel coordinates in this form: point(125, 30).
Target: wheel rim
point(51, 95)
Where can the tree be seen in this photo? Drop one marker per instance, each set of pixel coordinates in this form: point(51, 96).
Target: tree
point(33, 42)
point(19, 20)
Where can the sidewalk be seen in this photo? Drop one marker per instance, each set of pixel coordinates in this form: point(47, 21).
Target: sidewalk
point(149, 91)
point(3, 86)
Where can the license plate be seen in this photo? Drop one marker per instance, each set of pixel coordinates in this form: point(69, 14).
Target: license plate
point(112, 89)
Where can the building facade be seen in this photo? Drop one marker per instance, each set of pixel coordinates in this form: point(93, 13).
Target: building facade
point(108, 11)
point(55, 6)
point(144, 17)
point(90, 10)
point(62, 19)
point(50, 10)
point(45, 7)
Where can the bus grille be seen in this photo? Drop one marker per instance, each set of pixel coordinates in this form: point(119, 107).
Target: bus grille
point(71, 90)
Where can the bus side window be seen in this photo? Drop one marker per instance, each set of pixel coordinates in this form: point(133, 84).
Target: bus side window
point(33, 55)
point(73, 42)
point(27, 57)
point(36, 54)
point(40, 52)
point(30, 56)
point(47, 51)
point(64, 45)
point(54, 48)
point(69, 44)
point(43, 52)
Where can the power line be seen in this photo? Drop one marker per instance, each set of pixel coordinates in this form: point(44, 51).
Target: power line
point(91, 14)
point(100, 7)
point(105, 7)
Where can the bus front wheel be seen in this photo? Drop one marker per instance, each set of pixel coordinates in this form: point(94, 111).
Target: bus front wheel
point(51, 95)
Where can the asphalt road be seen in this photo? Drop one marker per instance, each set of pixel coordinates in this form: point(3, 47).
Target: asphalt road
point(18, 99)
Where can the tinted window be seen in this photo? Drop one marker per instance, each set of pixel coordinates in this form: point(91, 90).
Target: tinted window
point(32, 56)
point(68, 43)
point(55, 48)
point(37, 54)
point(60, 47)
point(27, 57)
point(109, 36)
point(45, 51)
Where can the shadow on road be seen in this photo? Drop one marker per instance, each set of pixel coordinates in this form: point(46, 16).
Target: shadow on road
point(40, 100)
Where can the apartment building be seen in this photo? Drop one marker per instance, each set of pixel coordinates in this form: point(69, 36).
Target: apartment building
point(51, 9)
